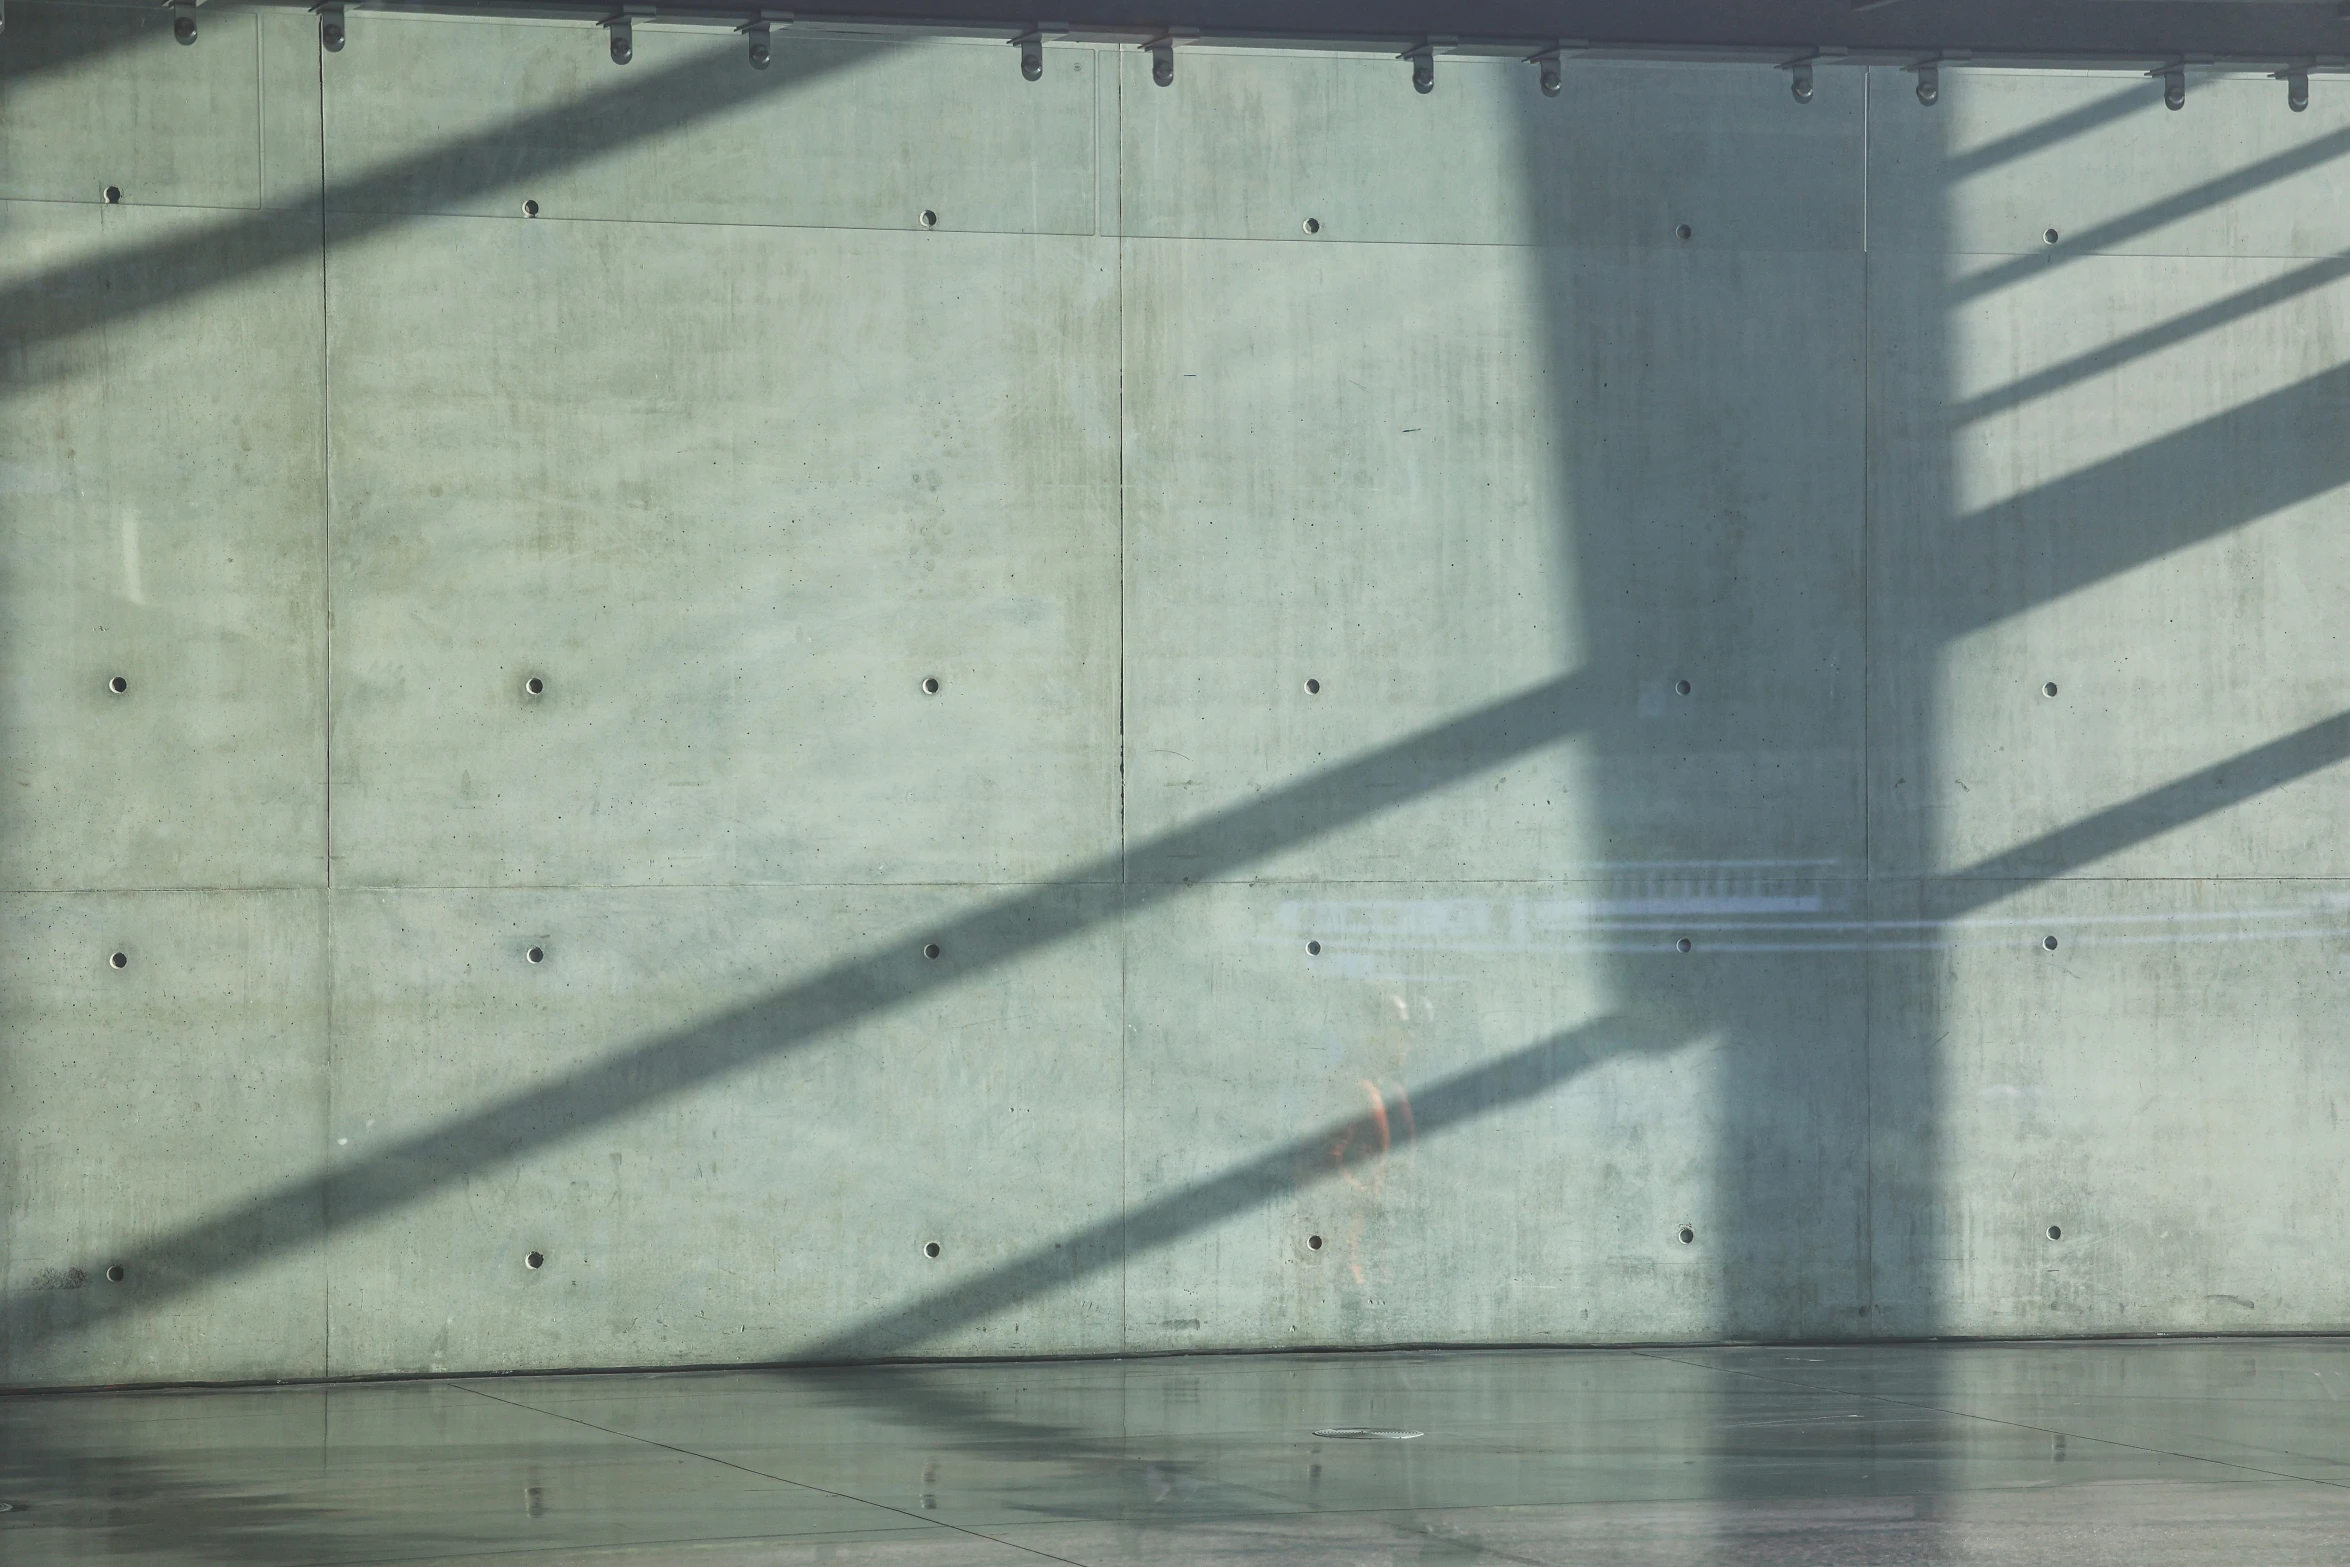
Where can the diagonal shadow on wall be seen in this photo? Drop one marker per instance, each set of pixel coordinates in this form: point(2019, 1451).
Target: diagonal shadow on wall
point(1434, 1108)
point(49, 309)
point(2127, 349)
point(2053, 131)
point(2203, 793)
point(2212, 477)
point(1538, 1068)
point(892, 975)
point(2141, 221)
point(886, 978)
point(38, 41)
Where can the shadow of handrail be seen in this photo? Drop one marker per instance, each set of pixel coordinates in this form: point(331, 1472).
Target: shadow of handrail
point(2192, 797)
point(1449, 1102)
point(877, 981)
point(2145, 220)
point(2149, 340)
point(2198, 482)
point(29, 51)
point(2048, 133)
point(89, 292)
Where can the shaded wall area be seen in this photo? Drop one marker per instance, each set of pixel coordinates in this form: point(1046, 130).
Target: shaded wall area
point(871, 709)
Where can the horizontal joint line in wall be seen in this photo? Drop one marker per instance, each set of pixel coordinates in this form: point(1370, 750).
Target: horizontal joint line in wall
point(1400, 879)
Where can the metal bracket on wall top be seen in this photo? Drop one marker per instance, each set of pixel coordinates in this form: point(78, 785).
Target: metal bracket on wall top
point(1031, 47)
point(331, 33)
point(2296, 79)
point(2174, 81)
point(758, 32)
point(1546, 63)
point(1929, 74)
point(1423, 57)
point(1162, 52)
point(622, 26)
point(1800, 80)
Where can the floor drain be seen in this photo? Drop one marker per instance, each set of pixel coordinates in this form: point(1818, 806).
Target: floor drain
point(1367, 1433)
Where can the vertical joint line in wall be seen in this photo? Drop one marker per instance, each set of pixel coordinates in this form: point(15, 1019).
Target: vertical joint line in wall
point(326, 498)
point(1868, 966)
point(1118, 288)
point(1868, 79)
point(326, 717)
point(1118, 285)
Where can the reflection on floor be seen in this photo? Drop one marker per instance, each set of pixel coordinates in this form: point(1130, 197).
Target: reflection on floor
point(2087, 1453)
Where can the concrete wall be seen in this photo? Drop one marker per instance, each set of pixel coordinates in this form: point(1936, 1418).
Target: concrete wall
point(1310, 498)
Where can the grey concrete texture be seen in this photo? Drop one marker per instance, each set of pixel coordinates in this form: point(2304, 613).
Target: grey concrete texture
point(166, 504)
point(2193, 1190)
point(1345, 467)
point(962, 1136)
point(694, 563)
point(1491, 710)
point(172, 125)
point(1898, 1456)
point(142, 1097)
point(1564, 1090)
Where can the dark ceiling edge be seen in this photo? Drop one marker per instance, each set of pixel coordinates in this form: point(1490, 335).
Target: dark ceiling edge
point(2140, 35)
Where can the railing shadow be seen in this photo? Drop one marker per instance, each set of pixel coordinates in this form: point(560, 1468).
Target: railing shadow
point(892, 975)
point(43, 312)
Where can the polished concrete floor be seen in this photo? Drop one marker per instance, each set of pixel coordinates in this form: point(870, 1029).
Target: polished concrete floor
point(2084, 1453)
